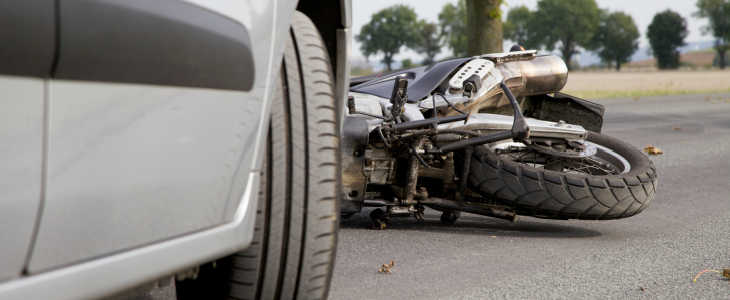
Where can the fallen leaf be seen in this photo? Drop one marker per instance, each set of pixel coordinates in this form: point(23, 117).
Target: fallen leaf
point(726, 273)
point(380, 225)
point(386, 268)
point(651, 150)
point(641, 288)
point(676, 128)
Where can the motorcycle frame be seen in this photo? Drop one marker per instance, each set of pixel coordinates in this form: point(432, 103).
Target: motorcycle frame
point(499, 127)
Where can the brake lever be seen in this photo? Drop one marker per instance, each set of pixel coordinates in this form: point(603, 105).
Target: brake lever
point(519, 132)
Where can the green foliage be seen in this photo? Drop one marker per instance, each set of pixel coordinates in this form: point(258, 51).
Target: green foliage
point(452, 20)
point(406, 63)
point(666, 33)
point(566, 24)
point(616, 38)
point(388, 30)
point(429, 41)
point(519, 27)
point(718, 13)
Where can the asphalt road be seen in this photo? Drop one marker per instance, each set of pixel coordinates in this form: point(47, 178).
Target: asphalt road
point(652, 255)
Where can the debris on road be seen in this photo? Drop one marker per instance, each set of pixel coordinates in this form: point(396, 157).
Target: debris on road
point(386, 268)
point(725, 273)
point(651, 150)
point(676, 128)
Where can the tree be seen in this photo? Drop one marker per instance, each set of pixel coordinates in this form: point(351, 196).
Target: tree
point(520, 28)
point(616, 38)
point(406, 63)
point(388, 30)
point(666, 33)
point(429, 41)
point(452, 20)
point(484, 26)
point(718, 13)
point(567, 23)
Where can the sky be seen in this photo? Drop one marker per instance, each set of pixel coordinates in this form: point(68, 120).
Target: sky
point(641, 10)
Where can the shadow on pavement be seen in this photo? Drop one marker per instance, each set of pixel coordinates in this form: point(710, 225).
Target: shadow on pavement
point(476, 225)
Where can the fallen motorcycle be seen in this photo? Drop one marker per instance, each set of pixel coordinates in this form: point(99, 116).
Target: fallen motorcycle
point(490, 135)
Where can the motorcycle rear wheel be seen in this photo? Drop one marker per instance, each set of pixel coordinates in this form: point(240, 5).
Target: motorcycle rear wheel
point(598, 192)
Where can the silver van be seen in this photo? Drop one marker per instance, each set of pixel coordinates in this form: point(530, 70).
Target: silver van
point(147, 141)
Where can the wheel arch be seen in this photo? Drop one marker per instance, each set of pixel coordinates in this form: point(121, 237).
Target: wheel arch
point(328, 20)
point(334, 23)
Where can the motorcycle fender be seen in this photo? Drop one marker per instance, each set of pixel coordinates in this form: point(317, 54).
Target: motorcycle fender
point(571, 109)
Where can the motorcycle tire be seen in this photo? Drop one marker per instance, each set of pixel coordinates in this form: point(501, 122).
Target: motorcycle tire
point(551, 194)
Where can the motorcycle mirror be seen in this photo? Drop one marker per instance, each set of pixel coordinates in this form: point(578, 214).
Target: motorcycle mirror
point(398, 97)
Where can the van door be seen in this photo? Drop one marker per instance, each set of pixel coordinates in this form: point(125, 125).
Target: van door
point(26, 57)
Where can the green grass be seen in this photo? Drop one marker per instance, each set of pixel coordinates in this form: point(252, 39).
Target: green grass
point(600, 94)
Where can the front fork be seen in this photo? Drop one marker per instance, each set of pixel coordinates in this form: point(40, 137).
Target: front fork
point(413, 199)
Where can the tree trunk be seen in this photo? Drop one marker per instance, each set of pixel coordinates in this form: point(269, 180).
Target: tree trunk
point(388, 60)
point(721, 58)
point(484, 26)
point(567, 52)
point(618, 65)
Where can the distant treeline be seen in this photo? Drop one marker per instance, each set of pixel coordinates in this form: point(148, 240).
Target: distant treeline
point(472, 27)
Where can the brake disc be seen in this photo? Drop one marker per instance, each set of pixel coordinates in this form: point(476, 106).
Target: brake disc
point(575, 149)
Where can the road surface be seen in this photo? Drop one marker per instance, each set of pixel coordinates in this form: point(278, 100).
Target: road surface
point(652, 255)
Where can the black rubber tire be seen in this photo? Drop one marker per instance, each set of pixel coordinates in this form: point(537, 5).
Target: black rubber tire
point(557, 195)
point(293, 252)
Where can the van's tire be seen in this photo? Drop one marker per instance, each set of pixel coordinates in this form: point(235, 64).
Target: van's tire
point(559, 195)
point(292, 254)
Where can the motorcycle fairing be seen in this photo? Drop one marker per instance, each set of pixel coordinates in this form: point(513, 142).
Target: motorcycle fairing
point(422, 81)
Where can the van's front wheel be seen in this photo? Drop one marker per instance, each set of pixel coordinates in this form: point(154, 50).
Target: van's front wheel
point(292, 254)
point(294, 245)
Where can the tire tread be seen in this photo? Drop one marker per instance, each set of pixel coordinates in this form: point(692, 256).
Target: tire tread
point(549, 194)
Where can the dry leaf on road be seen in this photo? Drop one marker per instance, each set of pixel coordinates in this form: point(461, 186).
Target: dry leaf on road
point(386, 268)
point(651, 150)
